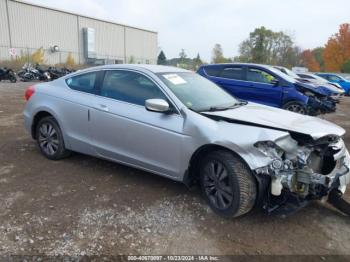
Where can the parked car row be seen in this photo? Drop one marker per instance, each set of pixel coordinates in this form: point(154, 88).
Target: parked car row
point(180, 125)
point(337, 79)
point(328, 88)
point(274, 86)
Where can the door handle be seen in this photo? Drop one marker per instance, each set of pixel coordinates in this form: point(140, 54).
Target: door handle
point(102, 107)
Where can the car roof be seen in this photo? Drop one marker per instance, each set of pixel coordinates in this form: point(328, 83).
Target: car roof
point(140, 67)
point(240, 64)
point(326, 74)
point(305, 73)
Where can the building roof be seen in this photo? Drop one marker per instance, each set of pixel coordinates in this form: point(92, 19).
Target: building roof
point(81, 15)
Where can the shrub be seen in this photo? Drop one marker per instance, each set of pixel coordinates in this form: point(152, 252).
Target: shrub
point(38, 57)
point(70, 62)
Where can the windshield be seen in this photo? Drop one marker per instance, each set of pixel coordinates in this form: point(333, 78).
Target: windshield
point(196, 92)
point(282, 75)
point(319, 79)
point(291, 73)
point(341, 77)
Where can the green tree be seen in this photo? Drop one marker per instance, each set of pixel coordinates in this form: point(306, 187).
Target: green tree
point(218, 55)
point(346, 67)
point(161, 58)
point(318, 54)
point(268, 47)
point(197, 62)
point(182, 56)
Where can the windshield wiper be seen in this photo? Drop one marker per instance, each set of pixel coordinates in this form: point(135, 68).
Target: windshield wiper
point(223, 108)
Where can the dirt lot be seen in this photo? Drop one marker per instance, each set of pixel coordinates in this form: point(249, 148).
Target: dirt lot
point(87, 206)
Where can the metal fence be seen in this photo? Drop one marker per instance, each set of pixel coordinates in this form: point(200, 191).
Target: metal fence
point(51, 57)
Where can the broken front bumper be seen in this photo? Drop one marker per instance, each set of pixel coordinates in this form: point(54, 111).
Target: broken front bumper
point(324, 105)
point(286, 192)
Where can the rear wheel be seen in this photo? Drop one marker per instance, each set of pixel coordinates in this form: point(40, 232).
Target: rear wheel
point(50, 139)
point(227, 184)
point(295, 107)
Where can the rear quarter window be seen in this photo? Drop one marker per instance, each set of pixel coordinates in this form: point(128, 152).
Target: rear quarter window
point(235, 73)
point(213, 70)
point(84, 83)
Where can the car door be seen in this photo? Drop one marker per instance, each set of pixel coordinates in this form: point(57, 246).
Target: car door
point(124, 130)
point(265, 89)
point(73, 110)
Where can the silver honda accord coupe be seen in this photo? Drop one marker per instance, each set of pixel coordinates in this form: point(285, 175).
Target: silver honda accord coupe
point(175, 123)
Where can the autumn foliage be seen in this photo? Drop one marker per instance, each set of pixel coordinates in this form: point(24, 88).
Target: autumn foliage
point(337, 49)
point(310, 61)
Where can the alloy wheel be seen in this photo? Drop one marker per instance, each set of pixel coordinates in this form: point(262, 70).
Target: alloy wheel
point(217, 185)
point(296, 108)
point(48, 139)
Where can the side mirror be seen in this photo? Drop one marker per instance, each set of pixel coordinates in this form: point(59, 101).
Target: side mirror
point(157, 105)
point(275, 82)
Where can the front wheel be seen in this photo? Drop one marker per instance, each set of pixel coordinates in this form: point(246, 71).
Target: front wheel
point(227, 184)
point(295, 107)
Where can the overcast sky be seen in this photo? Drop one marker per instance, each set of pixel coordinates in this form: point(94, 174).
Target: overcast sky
point(196, 25)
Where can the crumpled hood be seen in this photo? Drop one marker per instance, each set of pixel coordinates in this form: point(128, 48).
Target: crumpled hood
point(321, 85)
point(313, 88)
point(265, 116)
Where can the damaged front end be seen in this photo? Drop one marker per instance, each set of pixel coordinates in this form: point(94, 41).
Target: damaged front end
point(301, 169)
point(319, 102)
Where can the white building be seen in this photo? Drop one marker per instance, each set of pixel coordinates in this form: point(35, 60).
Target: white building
point(25, 27)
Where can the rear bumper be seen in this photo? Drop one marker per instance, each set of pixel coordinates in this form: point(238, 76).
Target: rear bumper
point(27, 122)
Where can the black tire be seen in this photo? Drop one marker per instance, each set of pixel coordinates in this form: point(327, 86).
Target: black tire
point(348, 93)
point(50, 139)
point(296, 107)
point(231, 192)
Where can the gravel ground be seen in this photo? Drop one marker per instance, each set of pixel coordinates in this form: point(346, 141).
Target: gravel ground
point(88, 206)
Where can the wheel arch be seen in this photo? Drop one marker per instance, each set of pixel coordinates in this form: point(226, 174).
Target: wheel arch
point(192, 174)
point(302, 99)
point(37, 117)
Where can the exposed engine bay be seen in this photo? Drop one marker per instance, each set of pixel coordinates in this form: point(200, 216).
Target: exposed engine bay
point(303, 169)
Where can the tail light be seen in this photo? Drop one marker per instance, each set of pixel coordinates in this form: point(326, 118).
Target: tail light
point(29, 92)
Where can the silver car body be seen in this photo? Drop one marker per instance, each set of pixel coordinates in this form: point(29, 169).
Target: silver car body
point(164, 144)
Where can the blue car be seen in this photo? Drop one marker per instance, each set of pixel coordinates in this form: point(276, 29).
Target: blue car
point(344, 83)
point(269, 86)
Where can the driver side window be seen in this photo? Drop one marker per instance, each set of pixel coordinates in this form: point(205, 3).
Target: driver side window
point(259, 76)
point(130, 87)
